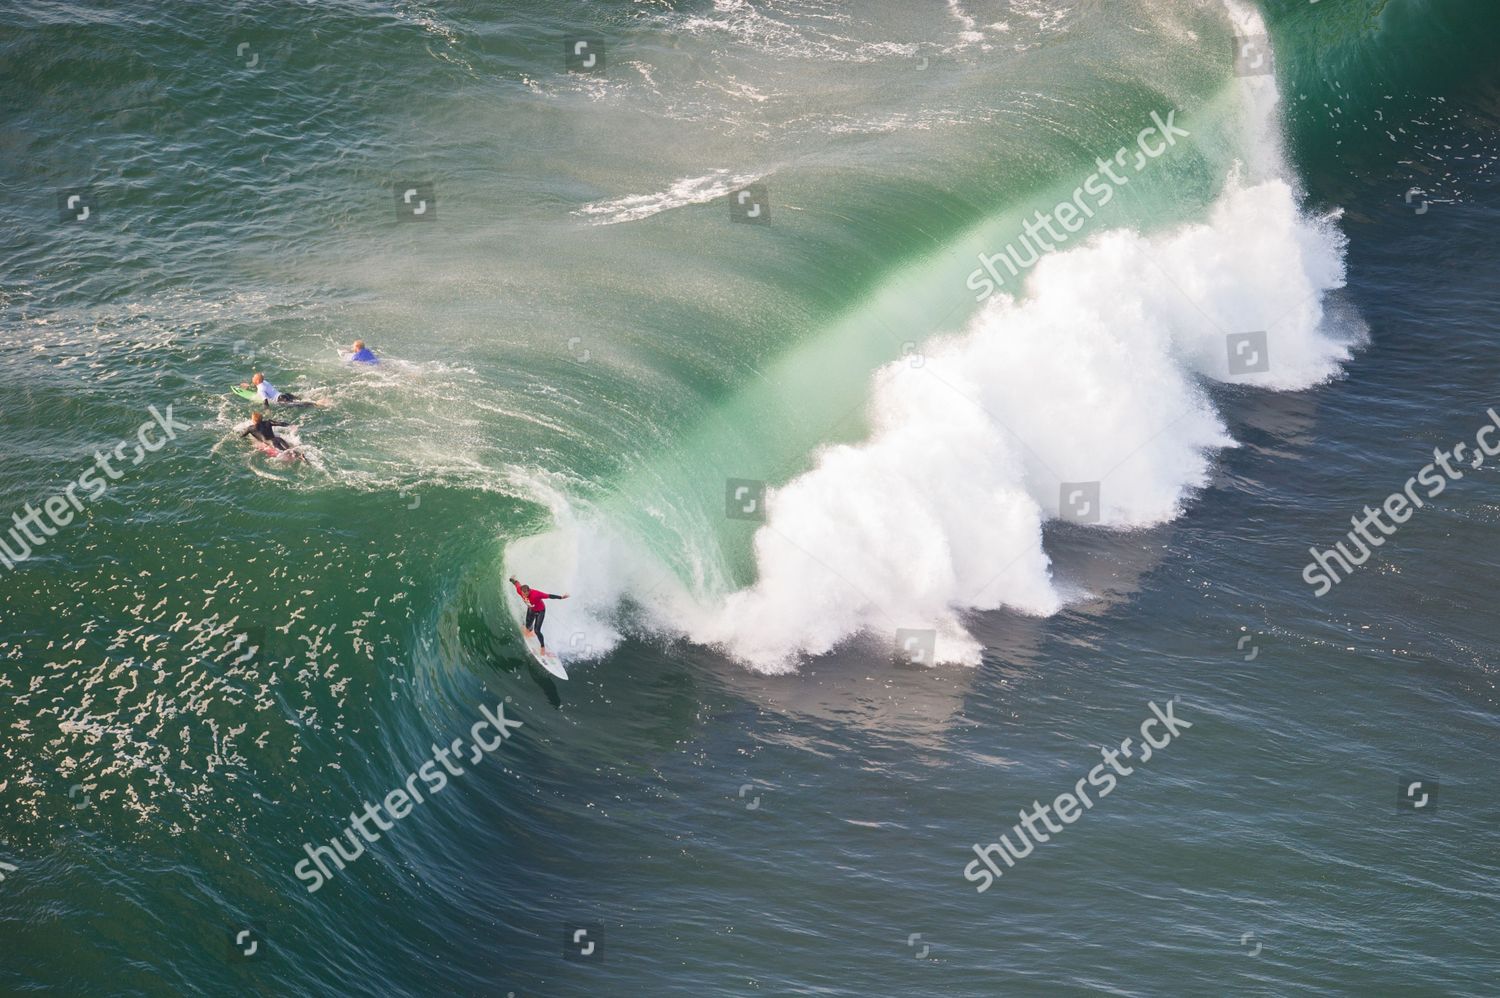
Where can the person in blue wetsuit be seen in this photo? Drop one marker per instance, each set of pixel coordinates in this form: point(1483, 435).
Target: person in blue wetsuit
point(363, 354)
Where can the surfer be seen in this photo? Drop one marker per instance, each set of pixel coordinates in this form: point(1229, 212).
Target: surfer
point(536, 610)
point(264, 430)
point(363, 354)
point(267, 391)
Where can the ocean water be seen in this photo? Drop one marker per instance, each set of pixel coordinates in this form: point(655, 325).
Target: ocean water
point(870, 546)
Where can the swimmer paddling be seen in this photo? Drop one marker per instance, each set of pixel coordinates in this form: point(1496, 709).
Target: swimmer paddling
point(362, 354)
point(264, 430)
point(267, 393)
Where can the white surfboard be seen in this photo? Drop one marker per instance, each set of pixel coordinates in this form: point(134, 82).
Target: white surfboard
point(548, 661)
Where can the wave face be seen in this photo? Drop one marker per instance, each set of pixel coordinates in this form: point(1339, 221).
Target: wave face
point(1094, 371)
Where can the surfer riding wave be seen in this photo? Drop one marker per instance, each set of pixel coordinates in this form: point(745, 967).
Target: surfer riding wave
point(536, 610)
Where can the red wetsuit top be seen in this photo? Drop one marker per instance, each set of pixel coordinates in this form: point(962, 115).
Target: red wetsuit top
point(534, 598)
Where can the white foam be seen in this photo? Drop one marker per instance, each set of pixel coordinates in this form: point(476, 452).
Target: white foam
point(688, 190)
point(1092, 377)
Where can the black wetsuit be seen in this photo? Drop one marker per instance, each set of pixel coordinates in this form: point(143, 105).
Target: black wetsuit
point(263, 431)
point(534, 620)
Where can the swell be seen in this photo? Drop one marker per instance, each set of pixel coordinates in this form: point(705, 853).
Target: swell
point(929, 500)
